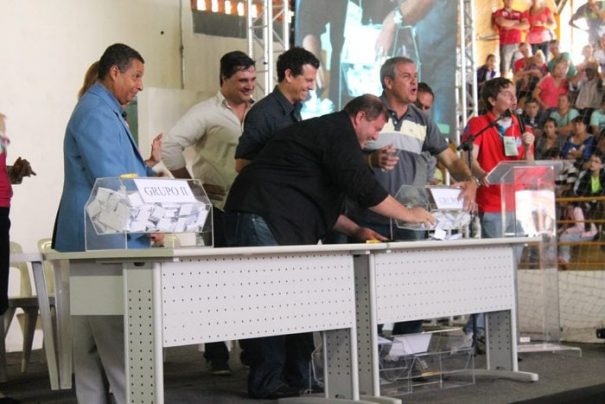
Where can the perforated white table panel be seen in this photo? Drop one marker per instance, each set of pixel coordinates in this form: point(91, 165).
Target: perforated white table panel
point(427, 283)
point(186, 296)
point(224, 298)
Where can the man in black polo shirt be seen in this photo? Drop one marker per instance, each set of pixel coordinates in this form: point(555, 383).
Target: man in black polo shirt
point(296, 72)
point(293, 193)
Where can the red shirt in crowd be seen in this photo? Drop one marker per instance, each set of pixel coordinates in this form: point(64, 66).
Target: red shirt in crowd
point(550, 92)
point(509, 36)
point(539, 33)
point(520, 64)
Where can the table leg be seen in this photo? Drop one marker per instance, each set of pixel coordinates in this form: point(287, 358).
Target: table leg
point(47, 325)
point(144, 367)
point(62, 311)
point(367, 332)
point(340, 364)
point(501, 348)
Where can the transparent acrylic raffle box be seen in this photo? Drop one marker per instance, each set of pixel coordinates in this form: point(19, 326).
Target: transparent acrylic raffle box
point(450, 218)
point(410, 363)
point(425, 361)
point(121, 212)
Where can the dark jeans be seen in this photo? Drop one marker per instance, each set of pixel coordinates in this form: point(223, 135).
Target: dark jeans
point(217, 352)
point(5, 225)
point(276, 360)
point(541, 46)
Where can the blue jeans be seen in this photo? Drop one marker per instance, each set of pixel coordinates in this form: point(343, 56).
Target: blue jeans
point(247, 230)
point(491, 225)
point(540, 46)
point(278, 360)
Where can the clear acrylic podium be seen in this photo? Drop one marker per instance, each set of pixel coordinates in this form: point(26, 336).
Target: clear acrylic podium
point(528, 206)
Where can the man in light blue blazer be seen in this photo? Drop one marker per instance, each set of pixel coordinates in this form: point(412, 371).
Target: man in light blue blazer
point(97, 144)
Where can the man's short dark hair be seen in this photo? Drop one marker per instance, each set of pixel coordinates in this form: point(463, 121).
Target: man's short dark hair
point(119, 55)
point(388, 67)
point(368, 103)
point(233, 62)
point(294, 59)
point(598, 154)
point(425, 88)
point(491, 89)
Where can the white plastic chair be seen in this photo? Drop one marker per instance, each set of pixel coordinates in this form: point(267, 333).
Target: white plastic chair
point(26, 301)
point(44, 246)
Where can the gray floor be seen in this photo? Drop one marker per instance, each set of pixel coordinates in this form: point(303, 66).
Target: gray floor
point(186, 380)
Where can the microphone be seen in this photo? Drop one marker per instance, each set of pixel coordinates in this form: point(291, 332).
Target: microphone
point(467, 145)
point(519, 115)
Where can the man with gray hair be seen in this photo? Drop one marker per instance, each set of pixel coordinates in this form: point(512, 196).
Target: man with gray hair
point(397, 157)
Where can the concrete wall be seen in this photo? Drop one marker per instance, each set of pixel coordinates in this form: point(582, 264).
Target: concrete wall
point(47, 46)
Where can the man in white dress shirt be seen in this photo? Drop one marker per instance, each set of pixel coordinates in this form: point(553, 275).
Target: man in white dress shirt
point(213, 128)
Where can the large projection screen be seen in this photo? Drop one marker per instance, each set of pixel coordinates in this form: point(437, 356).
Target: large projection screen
point(353, 38)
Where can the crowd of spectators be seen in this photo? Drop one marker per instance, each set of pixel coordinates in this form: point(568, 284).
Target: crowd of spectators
point(563, 103)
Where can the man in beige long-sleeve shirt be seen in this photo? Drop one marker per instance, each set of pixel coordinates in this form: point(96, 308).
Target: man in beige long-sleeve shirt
point(213, 128)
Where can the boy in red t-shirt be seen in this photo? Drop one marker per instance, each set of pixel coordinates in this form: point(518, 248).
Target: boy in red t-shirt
point(503, 141)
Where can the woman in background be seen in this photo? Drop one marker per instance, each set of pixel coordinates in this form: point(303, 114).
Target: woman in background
point(8, 175)
point(549, 140)
point(90, 78)
point(541, 24)
point(553, 85)
point(487, 71)
point(580, 145)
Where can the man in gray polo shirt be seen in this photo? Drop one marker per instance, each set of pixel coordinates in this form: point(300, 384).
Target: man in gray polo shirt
point(397, 159)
